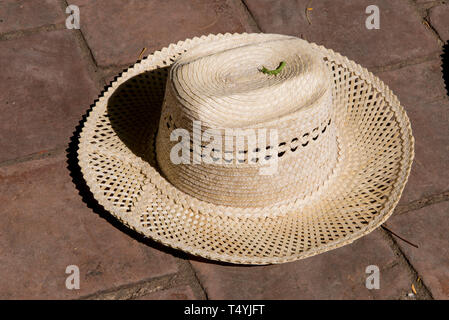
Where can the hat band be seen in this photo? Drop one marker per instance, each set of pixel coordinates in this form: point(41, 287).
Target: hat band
point(306, 156)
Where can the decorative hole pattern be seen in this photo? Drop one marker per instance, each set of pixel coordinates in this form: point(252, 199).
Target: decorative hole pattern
point(292, 146)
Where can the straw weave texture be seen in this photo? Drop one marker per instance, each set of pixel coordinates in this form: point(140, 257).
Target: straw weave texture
point(220, 85)
point(351, 175)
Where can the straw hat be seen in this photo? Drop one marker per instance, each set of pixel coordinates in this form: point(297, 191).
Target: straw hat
point(248, 148)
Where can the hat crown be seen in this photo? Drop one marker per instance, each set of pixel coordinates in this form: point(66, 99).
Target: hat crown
point(220, 86)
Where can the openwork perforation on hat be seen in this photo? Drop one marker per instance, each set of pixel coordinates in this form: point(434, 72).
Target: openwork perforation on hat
point(117, 155)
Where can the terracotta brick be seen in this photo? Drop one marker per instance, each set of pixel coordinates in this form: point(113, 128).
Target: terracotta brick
point(117, 32)
point(340, 25)
point(439, 18)
point(45, 227)
point(18, 15)
point(420, 88)
point(179, 293)
point(416, 83)
point(427, 227)
point(46, 88)
point(337, 274)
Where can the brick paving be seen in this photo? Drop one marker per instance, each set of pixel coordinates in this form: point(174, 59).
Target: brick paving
point(180, 293)
point(340, 25)
point(43, 231)
point(337, 274)
point(439, 16)
point(123, 32)
point(423, 97)
point(50, 76)
point(16, 15)
point(430, 259)
point(46, 86)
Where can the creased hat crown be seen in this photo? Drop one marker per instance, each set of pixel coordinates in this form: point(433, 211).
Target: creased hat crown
point(221, 86)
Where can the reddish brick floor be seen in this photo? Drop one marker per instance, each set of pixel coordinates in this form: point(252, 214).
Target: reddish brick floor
point(428, 229)
point(439, 16)
point(423, 97)
point(45, 227)
point(179, 293)
point(16, 15)
point(46, 87)
point(340, 25)
point(337, 274)
point(116, 35)
point(50, 75)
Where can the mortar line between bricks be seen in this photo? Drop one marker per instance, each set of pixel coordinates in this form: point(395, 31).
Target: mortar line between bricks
point(423, 202)
point(396, 248)
point(432, 28)
point(133, 290)
point(198, 280)
point(65, 4)
point(434, 56)
point(250, 16)
point(431, 3)
point(17, 34)
point(90, 53)
point(185, 275)
point(389, 266)
point(35, 156)
point(425, 18)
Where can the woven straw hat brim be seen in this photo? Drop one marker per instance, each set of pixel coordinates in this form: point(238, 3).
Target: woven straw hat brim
point(376, 152)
